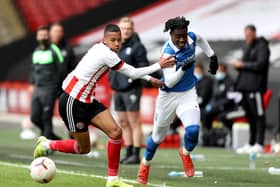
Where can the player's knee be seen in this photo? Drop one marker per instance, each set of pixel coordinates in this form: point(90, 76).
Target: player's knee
point(159, 134)
point(191, 137)
point(115, 134)
point(134, 122)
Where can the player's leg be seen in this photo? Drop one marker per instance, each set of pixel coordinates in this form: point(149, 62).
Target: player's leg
point(258, 120)
point(135, 125)
point(105, 122)
point(189, 113)
point(164, 115)
point(248, 113)
point(133, 115)
point(79, 145)
point(73, 113)
point(123, 121)
point(36, 111)
point(249, 106)
point(127, 134)
point(47, 99)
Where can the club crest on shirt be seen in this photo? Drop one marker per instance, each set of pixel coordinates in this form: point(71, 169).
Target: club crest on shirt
point(128, 51)
point(80, 125)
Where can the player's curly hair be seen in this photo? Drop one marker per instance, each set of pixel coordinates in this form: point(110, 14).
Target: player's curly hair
point(176, 23)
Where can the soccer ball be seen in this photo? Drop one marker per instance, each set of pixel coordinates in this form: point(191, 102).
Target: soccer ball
point(42, 169)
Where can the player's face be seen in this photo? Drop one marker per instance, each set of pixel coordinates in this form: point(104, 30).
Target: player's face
point(179, 37)
point(42, 35)
point(113, 40)
point(126, 30)
point(56, 33)
point(249, 35)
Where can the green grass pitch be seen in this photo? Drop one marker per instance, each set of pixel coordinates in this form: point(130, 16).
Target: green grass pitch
point(221, 168)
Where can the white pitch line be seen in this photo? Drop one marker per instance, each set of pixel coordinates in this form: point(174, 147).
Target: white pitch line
point(172, 167)
point(77, 174)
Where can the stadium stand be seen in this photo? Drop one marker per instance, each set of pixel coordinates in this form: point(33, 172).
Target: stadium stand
point(44, 12)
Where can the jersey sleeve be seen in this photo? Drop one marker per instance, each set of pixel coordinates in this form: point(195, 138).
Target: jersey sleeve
point(112, 60)
point(171, 76)
point(204, 45)
point(167, 50)
point(136, 73)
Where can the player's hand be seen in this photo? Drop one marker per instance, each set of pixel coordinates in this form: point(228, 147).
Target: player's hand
point(156, 82)
point(213, 65)
point(187, 64)
point(166, 62)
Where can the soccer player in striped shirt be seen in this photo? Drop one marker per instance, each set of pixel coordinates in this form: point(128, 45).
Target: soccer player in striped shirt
point(78, 107)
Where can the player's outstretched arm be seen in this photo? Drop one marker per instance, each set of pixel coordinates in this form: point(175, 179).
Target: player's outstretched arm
point(136, 73)
point(172, 77)
point(204, 45)
point(156, 82)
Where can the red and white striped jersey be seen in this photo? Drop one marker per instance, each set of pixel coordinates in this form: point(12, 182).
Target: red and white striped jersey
point(81, 82)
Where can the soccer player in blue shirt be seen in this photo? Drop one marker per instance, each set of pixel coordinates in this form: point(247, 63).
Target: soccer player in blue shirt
point(178, 97)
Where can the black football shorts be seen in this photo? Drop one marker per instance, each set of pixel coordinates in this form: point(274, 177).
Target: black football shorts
point(76, 114)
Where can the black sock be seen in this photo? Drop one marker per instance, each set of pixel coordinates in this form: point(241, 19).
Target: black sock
point(136, 151)
point(129, 150)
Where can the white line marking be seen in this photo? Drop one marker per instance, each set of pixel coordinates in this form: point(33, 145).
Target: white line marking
point(63, 162)
point(77, 174)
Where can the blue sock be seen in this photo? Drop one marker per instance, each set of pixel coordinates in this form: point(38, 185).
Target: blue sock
point(191, 137)
point(151, 148)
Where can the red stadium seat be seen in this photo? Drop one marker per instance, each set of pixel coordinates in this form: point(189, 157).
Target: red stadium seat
point(45, 12)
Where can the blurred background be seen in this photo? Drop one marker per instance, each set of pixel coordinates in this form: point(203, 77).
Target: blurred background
point(220, 22)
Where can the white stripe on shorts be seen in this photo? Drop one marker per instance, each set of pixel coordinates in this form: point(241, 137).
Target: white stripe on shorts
point(69, 114)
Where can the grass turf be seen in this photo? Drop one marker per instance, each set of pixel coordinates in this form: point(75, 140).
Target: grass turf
point(220, 168)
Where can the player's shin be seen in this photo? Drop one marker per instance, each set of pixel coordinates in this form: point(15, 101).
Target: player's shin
point(144, 168)
point(113, 153)
point(65, 146)
point(190, 142)
point(191, 138)
point(151, 148)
